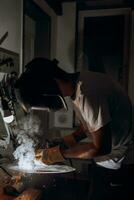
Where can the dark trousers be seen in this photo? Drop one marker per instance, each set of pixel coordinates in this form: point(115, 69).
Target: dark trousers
point(111, 184)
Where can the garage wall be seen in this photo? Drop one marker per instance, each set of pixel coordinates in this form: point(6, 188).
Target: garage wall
point(10, 20)
point(44, 6)
point(66, 37)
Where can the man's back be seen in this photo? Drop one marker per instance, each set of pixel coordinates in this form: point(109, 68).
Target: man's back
point(99, 101)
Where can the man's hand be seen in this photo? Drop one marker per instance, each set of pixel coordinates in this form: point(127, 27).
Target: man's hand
point(68, 141)
point(56, 142)
point(64, 143)
point(49, 156)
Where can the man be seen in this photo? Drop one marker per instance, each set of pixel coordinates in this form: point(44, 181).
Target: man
point(102, 107)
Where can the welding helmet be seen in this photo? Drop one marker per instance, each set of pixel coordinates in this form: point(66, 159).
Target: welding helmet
point(37, 86)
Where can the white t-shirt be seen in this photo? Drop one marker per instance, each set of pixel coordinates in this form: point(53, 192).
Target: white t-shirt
point(98, 101)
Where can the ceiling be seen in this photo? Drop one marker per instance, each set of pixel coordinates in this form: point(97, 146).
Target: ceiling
point(56, 5)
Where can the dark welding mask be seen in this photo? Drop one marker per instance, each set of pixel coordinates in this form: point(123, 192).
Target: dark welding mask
point(42, 102)
point(37, 86)
point(35, 97)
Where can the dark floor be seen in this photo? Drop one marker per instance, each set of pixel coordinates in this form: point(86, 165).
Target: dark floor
point(73, 188)
point(67, 190)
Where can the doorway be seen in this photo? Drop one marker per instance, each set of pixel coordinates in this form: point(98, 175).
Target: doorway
point(103, 42)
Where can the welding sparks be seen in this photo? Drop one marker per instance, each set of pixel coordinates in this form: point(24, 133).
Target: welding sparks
point(27, 133)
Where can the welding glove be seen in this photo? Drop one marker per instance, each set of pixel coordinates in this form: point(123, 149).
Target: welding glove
point(49, 155)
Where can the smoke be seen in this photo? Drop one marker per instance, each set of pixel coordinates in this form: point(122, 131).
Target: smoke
point(27, 132)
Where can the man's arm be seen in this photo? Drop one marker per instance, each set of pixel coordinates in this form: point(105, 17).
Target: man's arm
point(101, 145)
point(72, 139)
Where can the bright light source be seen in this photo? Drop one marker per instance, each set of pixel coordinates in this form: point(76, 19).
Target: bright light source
point(8, 119)
point(7, 114)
